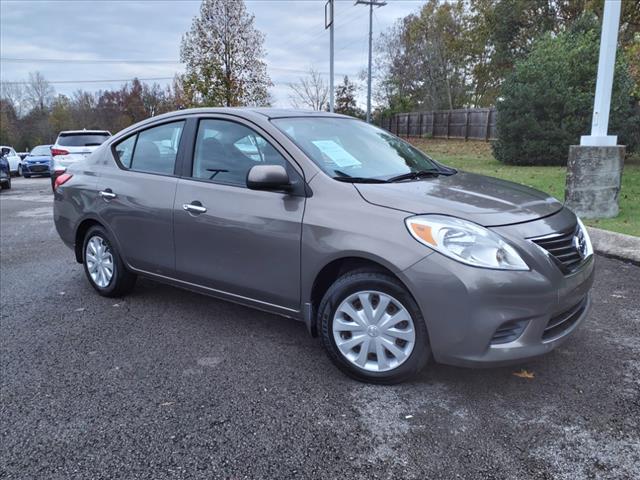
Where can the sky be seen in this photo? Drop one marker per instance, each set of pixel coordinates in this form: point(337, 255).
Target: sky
point(62, 38)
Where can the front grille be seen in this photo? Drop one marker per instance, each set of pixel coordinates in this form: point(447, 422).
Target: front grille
point(563, 248)
point(559, 324)
point(38, 168)
point(508, 332)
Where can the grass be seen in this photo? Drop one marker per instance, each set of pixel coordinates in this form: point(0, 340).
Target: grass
point(473, 156)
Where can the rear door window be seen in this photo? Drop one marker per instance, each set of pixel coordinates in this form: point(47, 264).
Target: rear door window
point(153, 150)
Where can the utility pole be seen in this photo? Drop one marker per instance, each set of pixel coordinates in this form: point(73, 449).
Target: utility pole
point(371, 3)
point(328, 23)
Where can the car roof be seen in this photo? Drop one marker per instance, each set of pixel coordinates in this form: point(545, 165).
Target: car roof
point(249, 113)
point(80, 132)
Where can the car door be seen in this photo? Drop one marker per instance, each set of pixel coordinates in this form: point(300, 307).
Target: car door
point(241, 242)
point(136, 196)
point(14, 160)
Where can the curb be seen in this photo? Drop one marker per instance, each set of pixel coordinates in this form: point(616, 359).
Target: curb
point(617, 245)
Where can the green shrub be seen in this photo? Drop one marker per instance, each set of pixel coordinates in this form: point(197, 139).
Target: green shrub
point(546, 103)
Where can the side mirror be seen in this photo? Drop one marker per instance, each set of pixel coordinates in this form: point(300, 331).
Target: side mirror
point(268, 177)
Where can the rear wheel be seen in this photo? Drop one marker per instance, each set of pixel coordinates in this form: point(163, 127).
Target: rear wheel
point(103, 265)
point(19, 171)
point(372, 328)
point(7, 184)
point(26, 175)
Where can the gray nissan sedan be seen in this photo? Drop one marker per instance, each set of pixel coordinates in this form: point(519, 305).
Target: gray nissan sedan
point(389, 256)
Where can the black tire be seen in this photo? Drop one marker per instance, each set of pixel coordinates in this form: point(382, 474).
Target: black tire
point(361, 280)
point(26, 175)
point(122, 280)
point(7, 184)
point(19, 171)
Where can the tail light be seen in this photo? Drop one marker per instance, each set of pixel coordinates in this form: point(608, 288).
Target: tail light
point(61, 180)
point(58, 151)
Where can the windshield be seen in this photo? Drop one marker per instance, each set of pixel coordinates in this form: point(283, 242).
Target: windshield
point(345, 148)
point(82, 139)
point(41, 150)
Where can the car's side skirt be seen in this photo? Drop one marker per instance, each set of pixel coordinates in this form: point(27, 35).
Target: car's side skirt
point(231, 297)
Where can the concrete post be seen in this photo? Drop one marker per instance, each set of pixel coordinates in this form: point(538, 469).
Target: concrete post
point(593, 180)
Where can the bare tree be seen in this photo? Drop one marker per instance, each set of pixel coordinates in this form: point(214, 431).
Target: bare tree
point(224, 57)
point(13, 93)
point(38, 91)
point(310, 92)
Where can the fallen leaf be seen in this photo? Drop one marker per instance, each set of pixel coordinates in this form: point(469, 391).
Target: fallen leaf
point(116, 305)
point(407, 417)
point(62, 293)
point(166, 404)
point(524, 374)
point(81, 309)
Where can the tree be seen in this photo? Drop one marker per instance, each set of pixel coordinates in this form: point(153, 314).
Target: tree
point(224, 57)
point(424, 62)
point(547, 101)
point(13, 93)
point(346, 99)
point(8, 123)
point(310, 92)
point(38, 92)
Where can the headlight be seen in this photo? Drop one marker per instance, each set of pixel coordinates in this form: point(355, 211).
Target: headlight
point(465, 242)
point(584, 241)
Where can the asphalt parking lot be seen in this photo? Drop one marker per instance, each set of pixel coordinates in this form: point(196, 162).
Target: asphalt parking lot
point(169, 384)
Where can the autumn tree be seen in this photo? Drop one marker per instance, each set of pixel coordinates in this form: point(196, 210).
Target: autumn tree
point(224, 57)
point(346, 103)
point(310, 91)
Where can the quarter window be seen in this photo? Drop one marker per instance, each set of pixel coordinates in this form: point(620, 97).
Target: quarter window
point(226, 151)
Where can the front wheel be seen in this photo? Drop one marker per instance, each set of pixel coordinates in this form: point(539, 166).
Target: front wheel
point(372, 328)
point(103, 265)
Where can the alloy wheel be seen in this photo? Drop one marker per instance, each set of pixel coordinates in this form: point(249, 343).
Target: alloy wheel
point(99, 261)
point(373, 331)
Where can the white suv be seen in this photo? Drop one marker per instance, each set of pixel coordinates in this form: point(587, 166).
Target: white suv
point(74, 145)
point(15, 162)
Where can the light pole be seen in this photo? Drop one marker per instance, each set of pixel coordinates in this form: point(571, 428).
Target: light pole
point(328, 23)
point(594, 169)
point(371, 3)
point(604, 80)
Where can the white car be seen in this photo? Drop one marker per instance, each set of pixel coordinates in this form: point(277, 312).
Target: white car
point(15, 162)
point(74, 145)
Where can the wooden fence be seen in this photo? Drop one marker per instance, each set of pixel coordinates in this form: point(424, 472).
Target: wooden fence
point(472, 123)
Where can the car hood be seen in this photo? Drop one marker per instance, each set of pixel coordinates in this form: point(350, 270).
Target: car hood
point(37, 158)
point(485, 200)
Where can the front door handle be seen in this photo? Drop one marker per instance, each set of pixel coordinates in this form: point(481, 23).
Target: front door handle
point(194, 208)
point(107, 194)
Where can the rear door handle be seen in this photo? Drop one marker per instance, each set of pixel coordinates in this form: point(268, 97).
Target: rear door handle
point(194, 208)
point(107, 194)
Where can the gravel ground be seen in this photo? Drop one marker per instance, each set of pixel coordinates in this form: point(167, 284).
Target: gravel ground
point(169, 384)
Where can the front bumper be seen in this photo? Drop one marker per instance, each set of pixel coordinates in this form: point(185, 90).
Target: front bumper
point(36, 169)
point(465, 307)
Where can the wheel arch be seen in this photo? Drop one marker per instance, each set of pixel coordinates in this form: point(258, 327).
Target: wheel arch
point(333, 270)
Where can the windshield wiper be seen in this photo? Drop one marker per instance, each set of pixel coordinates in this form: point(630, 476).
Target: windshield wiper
point(359, 180)
point(415, 175)
point(343, 177)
